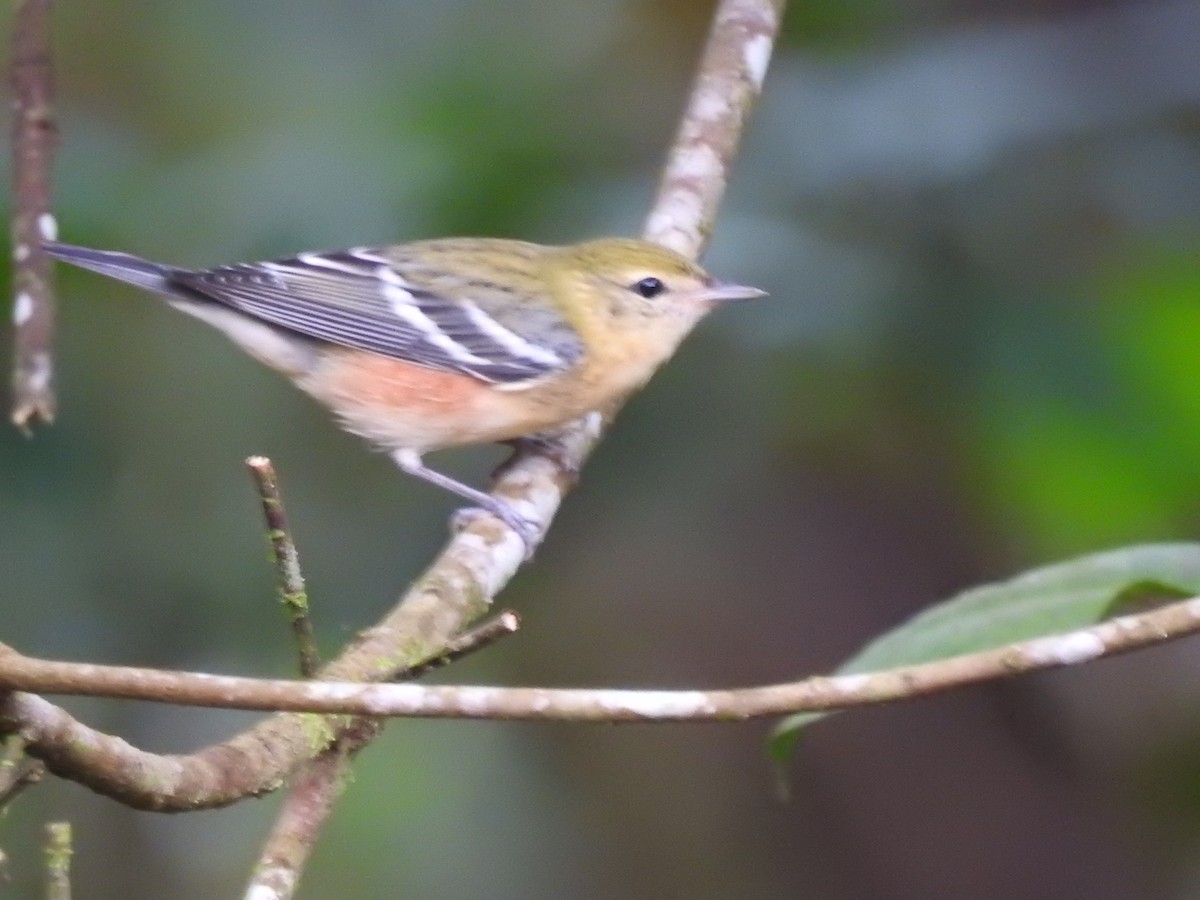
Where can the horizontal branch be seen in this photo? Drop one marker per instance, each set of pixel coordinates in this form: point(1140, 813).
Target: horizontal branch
point(819, 693)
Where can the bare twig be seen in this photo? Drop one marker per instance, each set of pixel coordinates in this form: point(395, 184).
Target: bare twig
point(34, 136)
point(16, 772)
point(289, 578)
point(310, 800)
point(478, 638)
point(304, 813)
point(58, 861)
point(313, 793)
point(815, 694)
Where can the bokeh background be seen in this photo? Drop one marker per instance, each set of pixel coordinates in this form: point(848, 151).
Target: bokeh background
point(979, 226)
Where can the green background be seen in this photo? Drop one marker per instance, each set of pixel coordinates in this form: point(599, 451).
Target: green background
point(978, 224)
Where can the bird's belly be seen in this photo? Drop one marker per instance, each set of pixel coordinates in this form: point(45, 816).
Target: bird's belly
point(397, 405)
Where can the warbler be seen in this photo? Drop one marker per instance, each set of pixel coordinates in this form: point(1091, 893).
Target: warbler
point(441, 343)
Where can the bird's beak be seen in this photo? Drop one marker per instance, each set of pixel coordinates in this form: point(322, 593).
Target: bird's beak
point(720, 291)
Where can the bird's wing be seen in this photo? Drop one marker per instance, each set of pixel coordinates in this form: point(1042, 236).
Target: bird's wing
point(359, 298)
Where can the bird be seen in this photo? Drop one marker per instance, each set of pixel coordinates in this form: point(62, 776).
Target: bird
point(446, 342)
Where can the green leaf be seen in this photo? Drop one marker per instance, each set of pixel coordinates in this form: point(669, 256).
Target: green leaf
point(1062, 597)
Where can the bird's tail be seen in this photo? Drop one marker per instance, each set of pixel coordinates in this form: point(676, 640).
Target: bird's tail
point(122, 266)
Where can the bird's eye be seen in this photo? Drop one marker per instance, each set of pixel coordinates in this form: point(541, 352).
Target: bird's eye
point(650, 287)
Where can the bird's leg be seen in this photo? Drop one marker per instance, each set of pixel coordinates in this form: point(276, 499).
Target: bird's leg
point(528, 531)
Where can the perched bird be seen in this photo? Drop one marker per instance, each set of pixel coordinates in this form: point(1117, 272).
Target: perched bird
point(440, 343)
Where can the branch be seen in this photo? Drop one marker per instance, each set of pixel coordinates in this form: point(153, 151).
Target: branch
point(16, 774)
point(727, 85)
point(288, 577)
point(305, 812)
point(34, 136)
point(814, 694)
point(478, 638)
point(315, 790)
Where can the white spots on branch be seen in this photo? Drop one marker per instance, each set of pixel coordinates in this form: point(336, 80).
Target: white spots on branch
point(41, 370)
point(849, 684)
point(333, 690)
point(697, 162)
point(711, 106)
point(20, 253)
point(669, 223)
point(756, 54)
point(282, 876)
point(1066, 649)
point(22, 310)
point(47, 227)
point(655, 704)
point(476, 701)
point(490, 562)
point(414, 698)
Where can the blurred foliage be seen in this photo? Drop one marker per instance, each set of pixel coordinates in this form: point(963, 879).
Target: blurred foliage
point(978, 225)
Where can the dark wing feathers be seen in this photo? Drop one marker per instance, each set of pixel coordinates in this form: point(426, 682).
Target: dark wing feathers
point(357, 299)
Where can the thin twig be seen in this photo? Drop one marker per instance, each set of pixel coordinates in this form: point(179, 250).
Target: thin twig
point(478, 638)
point(289, 578)
point(312, 794)
point(304, 813)
point(814, 694)
point(58, 861)
point(34, 137)
point(16, 771)
point(10, 762)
